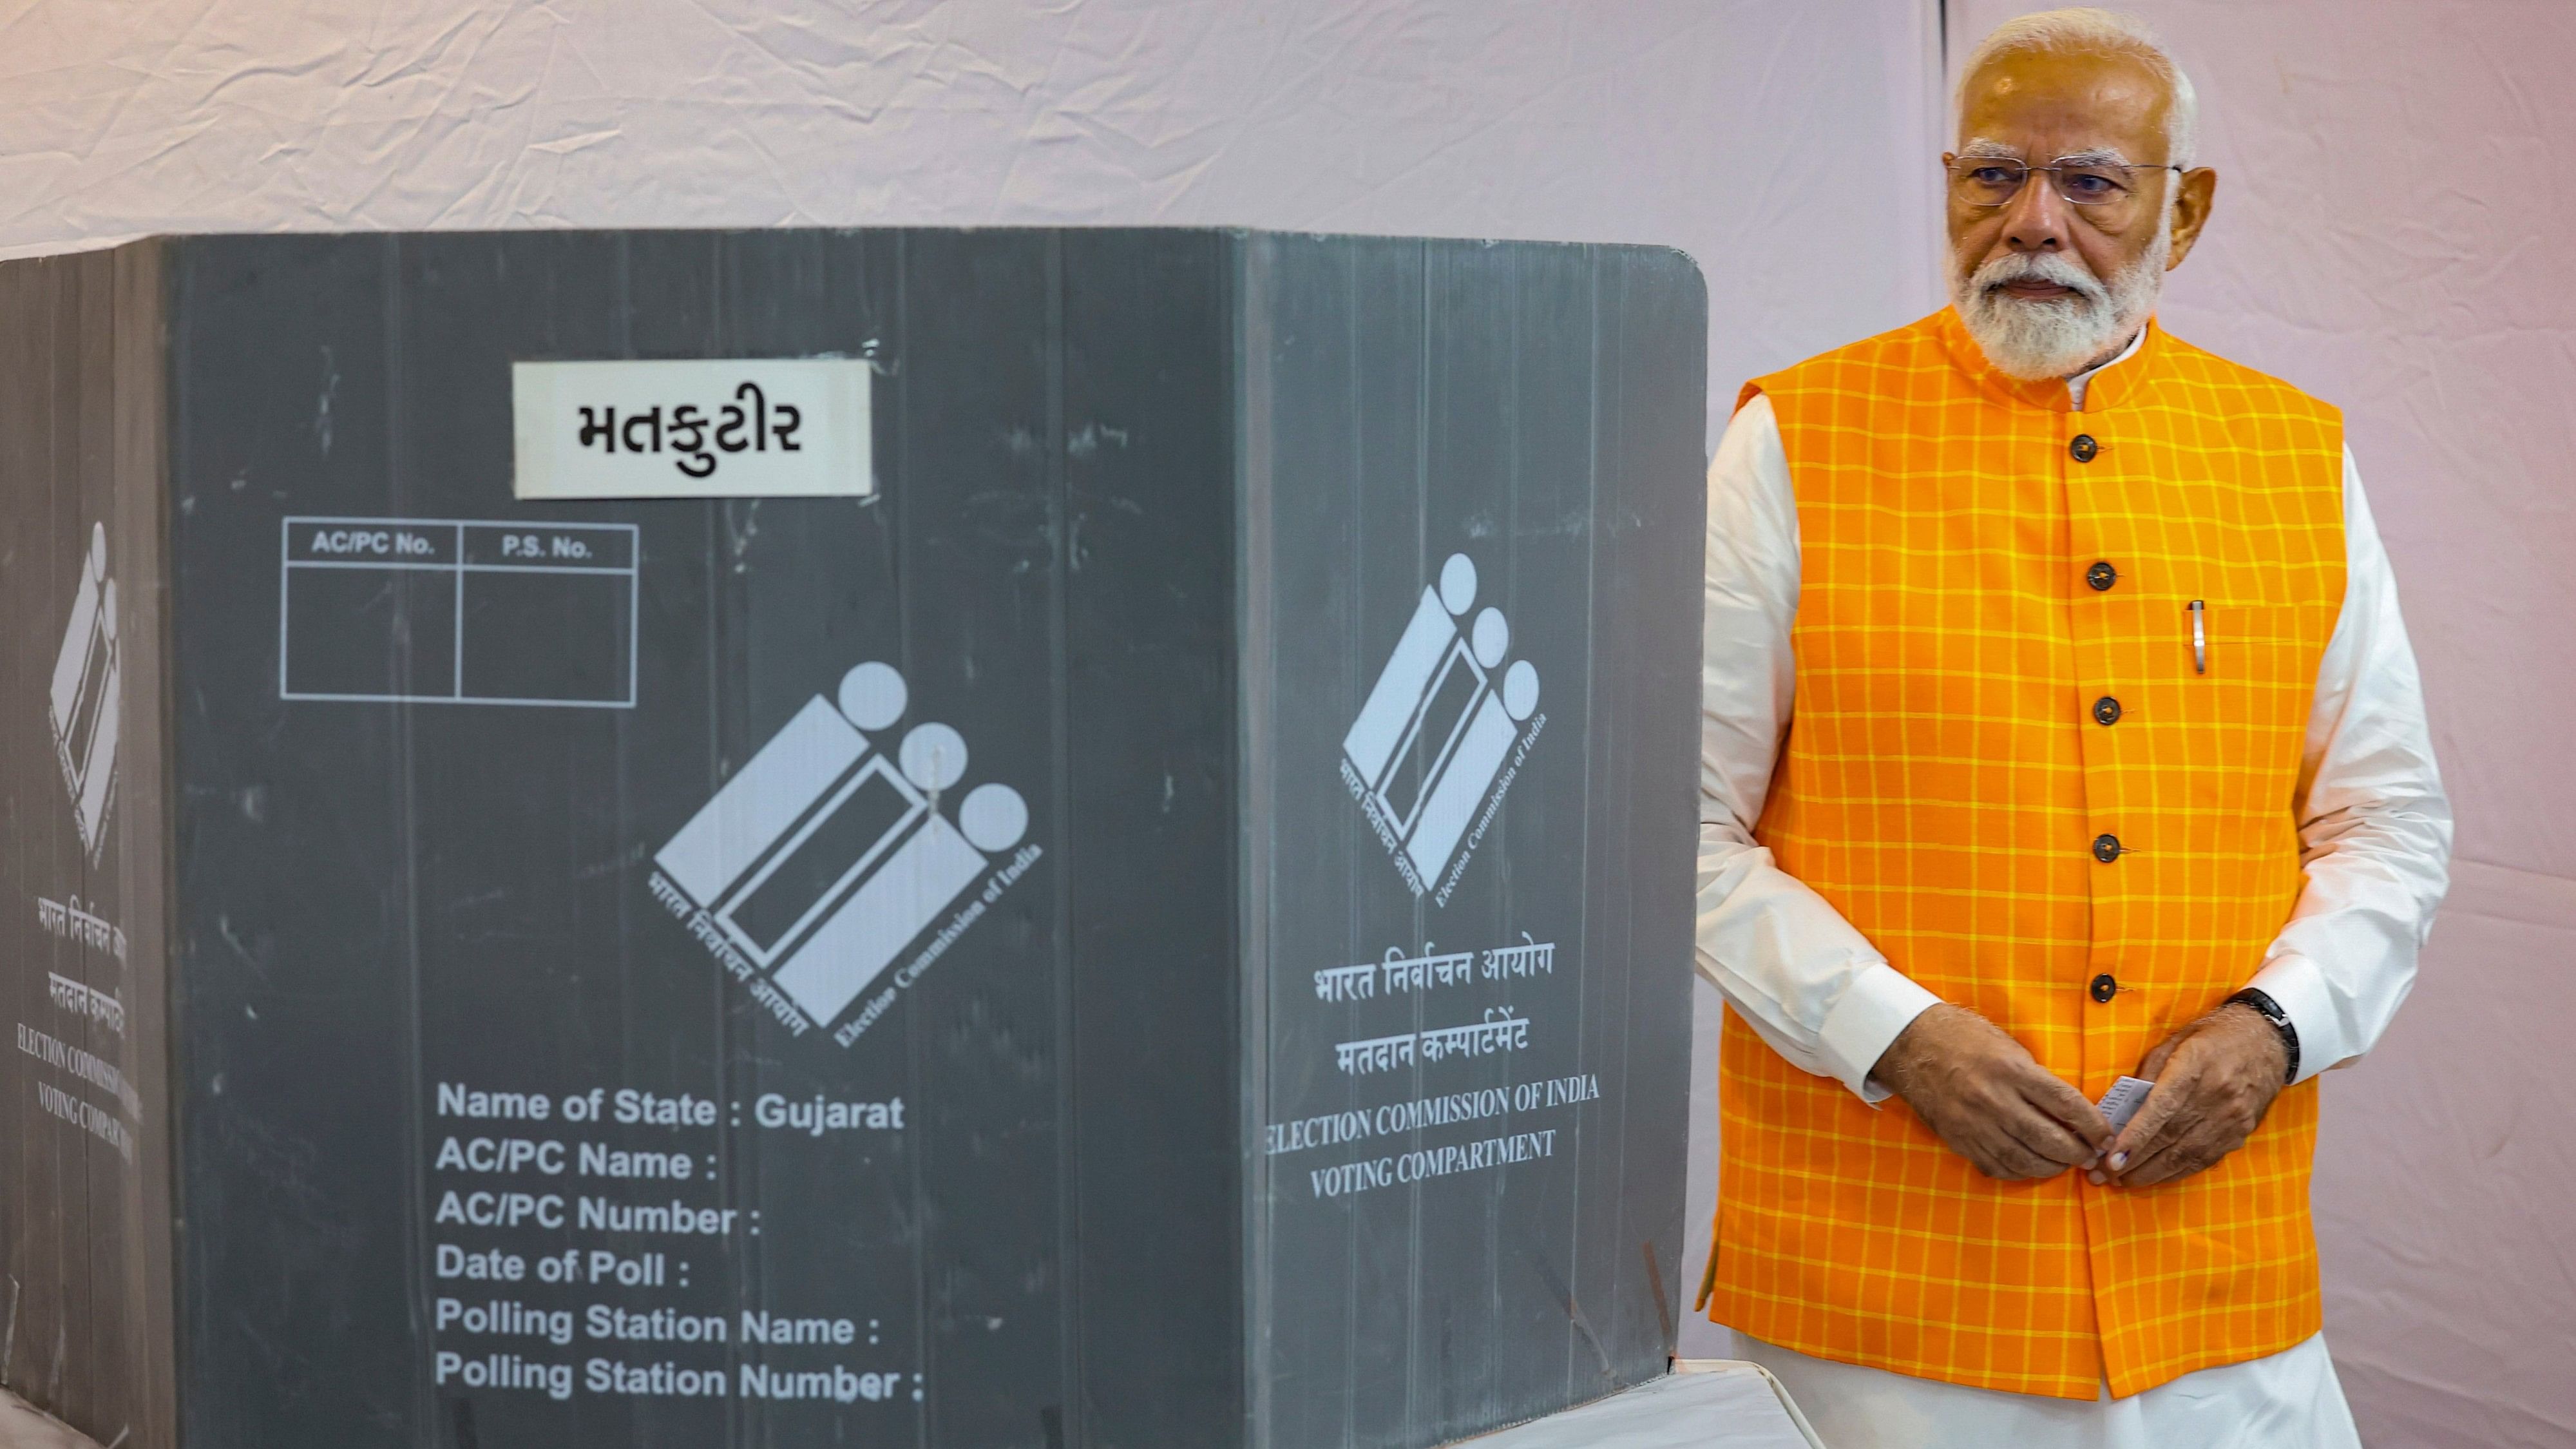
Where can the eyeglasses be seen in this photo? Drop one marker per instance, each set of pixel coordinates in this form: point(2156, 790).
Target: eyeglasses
point(1989, 181)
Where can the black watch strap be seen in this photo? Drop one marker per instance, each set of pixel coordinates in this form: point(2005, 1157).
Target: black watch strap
point(2271, 1011)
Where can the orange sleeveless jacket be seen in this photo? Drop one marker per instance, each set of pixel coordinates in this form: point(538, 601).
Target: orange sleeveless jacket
point(1982, 570)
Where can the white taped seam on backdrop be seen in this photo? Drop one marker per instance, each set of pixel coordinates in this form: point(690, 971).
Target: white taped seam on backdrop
point(693, 428)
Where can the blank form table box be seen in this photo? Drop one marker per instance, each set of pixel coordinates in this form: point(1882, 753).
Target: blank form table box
point(430, 611)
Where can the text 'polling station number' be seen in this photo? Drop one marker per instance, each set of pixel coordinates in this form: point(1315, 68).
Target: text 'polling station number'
point(692, 428)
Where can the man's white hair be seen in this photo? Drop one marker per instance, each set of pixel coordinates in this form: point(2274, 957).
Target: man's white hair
point(2084, 30)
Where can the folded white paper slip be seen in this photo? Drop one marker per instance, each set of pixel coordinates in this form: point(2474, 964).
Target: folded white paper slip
point(2124, 1099)
point(1704, 1402)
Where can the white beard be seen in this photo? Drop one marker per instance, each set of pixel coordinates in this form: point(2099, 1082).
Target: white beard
point(2063, 335)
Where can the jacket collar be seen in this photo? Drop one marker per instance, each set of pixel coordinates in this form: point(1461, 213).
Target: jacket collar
point(2108, 388)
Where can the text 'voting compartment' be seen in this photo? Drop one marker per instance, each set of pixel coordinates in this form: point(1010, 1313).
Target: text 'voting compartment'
point(442, 611)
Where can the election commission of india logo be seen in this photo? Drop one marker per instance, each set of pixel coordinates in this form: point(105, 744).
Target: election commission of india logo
point(1443, 734)
point(828, 875)
point(87, 687)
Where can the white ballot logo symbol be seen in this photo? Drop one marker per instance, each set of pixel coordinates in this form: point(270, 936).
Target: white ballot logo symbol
point(87, 689)
point(823, 859)
point(1438, 742)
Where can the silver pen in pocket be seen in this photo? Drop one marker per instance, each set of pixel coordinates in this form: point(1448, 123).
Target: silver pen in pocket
point(2199, 638)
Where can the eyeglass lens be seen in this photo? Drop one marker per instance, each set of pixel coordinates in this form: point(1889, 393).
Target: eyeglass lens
point(1992, 182)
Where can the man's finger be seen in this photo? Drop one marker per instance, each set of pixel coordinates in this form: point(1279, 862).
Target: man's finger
point(2014, 1162)
point(1964, 1135)
point(2162, 1168)
point(2208, 1140)
point(2177, 1157)
point(1982, 1155)
point(2066, 1106)
point(2045, 1135)
point(1997, 1152)
point(2138, 1165)
point(2191, 1146)
point(2146, 1132)
point(2148, 1128)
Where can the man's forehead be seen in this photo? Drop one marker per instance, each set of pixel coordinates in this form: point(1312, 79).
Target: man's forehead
point(2042, 103)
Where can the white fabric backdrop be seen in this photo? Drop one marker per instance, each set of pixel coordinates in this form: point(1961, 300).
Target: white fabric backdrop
point(1702, 124)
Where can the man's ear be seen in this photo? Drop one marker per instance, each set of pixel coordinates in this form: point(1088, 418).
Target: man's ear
point(2198, 188)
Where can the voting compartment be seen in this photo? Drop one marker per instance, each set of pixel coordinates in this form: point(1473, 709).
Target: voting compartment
point(876, 838)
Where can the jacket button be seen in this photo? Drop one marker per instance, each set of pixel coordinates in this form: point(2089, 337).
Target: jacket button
point(2106, 848)
point(2105, 986)
point(2106, 711)
point(2083, 447)
point(2101, 576)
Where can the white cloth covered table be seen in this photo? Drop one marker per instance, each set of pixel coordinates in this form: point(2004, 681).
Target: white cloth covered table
point(24, 1426)
point(2288, 1400)
point(1710, 1402)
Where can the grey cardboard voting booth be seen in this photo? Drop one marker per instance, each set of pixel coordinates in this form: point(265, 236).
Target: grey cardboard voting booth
point(1052, 838)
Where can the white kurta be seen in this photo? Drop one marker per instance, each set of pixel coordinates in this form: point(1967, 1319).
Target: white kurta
point(2375, 831)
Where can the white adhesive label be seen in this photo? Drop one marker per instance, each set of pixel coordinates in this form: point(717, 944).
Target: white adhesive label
point(693, 428)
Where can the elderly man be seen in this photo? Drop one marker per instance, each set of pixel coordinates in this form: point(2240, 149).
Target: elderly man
point(2059, 726)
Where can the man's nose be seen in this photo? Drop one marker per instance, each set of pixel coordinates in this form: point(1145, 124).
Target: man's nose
point(2035, 219)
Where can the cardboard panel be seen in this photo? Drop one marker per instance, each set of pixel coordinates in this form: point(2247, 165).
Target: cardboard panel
point(84, 1119)
point(765, 970)
point(1472, 584)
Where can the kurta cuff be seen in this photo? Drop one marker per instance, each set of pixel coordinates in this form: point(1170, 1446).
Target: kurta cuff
point(2299, 985)
point(1879, 1004)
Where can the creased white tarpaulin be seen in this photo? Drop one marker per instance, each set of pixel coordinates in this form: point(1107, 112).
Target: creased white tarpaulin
point(1693, 123)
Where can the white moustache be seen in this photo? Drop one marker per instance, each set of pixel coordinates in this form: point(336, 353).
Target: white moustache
point(2065, 271)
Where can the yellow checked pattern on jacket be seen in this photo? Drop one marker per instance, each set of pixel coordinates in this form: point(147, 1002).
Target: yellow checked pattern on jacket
point(1987, 578)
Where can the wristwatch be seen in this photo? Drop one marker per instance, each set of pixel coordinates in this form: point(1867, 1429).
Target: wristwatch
point(2271, 1011)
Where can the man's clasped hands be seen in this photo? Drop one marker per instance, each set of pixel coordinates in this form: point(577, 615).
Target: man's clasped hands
point(1996, 1106)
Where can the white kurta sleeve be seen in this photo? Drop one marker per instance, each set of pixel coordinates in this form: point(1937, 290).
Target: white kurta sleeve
point(2374, 825)
point(1800, 975)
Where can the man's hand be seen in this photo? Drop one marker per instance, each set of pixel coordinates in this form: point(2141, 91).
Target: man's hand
point(2214, 1081)
point(1986, 1097)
